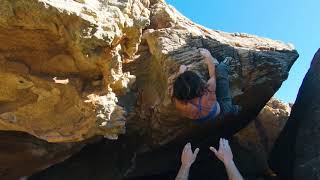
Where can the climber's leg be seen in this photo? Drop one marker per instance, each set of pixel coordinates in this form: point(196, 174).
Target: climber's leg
point(223, 89)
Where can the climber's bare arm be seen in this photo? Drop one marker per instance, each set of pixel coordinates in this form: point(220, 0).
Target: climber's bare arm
point(210, 62)
point(187, 158)
point(212, 84)
point(233, 172)
point(224, 154)
point(183, 173)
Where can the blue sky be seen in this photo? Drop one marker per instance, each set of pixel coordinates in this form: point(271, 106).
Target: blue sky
point(294, 21)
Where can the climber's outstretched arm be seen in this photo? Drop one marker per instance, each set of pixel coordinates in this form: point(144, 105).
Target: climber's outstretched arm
point(187, 158)
point(211, 63)
point(225, 155)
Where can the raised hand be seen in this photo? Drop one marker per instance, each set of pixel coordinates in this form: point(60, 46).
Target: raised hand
point(224, 153)
point(208, 57)
point(205, 53)
point(182, 69)
point(188, 157)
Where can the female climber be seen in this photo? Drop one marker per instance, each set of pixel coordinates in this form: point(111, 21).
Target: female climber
point(204, 101)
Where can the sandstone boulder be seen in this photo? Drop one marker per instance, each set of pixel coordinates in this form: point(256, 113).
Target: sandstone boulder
point(260, 135)
point(85, 44)
point(44, 42)
point(72, 70)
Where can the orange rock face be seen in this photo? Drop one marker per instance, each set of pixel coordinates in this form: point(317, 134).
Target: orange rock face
point(42, 41)
point(73, 70)
point(261, 134)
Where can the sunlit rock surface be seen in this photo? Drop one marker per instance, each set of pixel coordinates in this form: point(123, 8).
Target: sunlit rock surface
point(81, 42)
point(71, 70)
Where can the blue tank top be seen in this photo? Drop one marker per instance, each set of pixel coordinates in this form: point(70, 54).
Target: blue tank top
point(211, 115)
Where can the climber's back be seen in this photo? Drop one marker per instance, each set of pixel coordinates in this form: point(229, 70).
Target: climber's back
point(194, 98)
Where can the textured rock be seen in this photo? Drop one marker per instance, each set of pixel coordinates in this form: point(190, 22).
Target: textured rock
point(84, 43)
point(70, 70)
point(260, 135)
point(296, 152)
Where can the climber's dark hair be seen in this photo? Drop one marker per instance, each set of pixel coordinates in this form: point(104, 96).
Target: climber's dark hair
point(187, 86)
